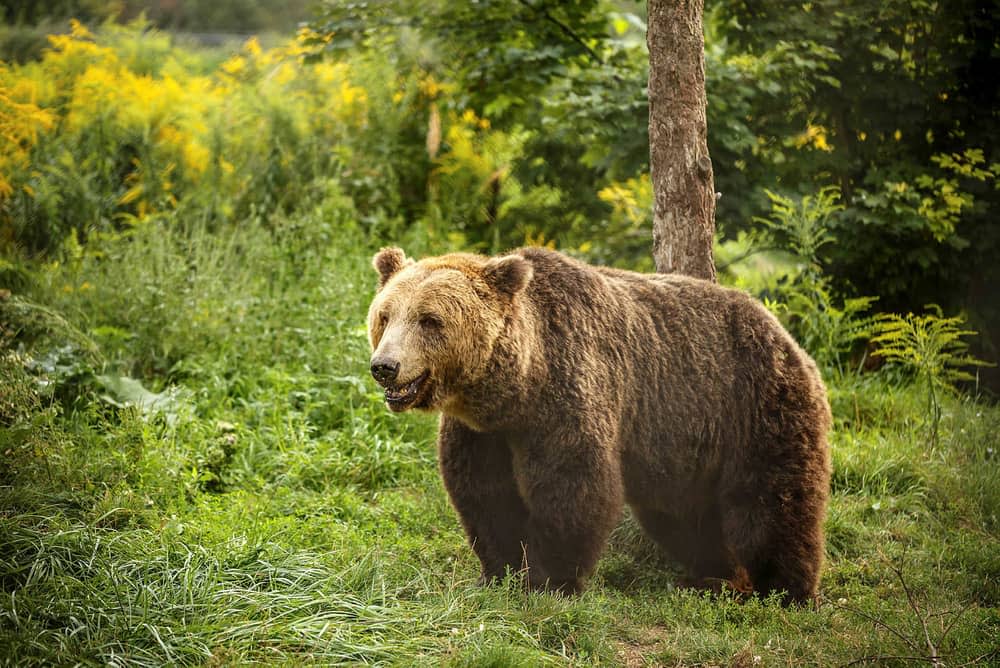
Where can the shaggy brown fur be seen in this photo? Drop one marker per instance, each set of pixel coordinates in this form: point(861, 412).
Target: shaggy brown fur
point(568, 390)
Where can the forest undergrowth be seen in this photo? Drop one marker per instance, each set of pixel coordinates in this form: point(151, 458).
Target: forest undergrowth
point(197, 469)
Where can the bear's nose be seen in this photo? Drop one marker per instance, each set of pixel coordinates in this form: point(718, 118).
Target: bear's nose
point(385, 371)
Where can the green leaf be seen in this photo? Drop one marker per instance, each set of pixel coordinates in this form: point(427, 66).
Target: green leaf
point(124, 392)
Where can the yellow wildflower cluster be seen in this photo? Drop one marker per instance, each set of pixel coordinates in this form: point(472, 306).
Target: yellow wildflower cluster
point(631, 201)
point(20, 123)
point(431, 88)
point(814, 136)
point(485, 155)
point(166, 133)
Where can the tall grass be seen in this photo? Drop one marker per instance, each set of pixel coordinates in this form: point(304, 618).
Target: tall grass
point(274, 511)
point(195, 468)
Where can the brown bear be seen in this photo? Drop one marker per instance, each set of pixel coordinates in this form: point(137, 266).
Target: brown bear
point(567, 390)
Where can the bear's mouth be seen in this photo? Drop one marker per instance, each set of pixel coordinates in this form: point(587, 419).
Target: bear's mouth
point(405, 395)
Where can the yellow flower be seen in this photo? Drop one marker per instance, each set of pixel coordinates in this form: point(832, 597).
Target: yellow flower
point(539, 241)
point(430, 87)
point(234, 65)
point(351, 94)
point(78, 30)
point(20, 124)
point(285, 74)
point(252, 46)
point(631, 201)
point(195, 157)
point(815, 136)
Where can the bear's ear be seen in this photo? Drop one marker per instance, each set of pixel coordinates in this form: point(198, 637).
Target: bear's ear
point(508, 275)
point(387, 262)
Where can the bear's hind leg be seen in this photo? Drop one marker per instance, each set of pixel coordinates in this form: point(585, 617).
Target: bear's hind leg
point(477, 472)
point(779, 544)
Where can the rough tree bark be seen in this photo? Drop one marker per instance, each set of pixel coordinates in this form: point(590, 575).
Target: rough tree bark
point(681, 171)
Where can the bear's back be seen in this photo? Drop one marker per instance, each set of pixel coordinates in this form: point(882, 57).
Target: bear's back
point(670, 354)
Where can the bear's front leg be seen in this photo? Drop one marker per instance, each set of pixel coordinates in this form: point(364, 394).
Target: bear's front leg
point(477, 472)
point(573, 490)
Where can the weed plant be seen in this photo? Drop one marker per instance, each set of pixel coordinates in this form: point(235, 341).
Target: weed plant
point(933, 347)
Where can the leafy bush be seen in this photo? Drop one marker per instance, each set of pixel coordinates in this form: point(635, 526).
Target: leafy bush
point(887, 107)
point(804, 297)
point(109, 135)
point(122, 127)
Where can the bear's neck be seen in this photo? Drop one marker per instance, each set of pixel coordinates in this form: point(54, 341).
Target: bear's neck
point(502, 398)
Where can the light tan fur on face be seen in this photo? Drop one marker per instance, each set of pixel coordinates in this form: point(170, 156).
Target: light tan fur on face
point(452, 292)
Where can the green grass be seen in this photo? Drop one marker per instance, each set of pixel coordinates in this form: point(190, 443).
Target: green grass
point(268, 508)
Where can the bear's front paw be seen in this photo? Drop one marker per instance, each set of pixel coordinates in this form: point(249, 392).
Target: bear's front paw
point(539, 580)
point(488, 579)
point(492, 576)
point(738, 583)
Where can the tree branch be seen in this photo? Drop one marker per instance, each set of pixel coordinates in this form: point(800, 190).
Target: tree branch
point(569, 32)
point(954, 620)
point(878, 622)
point(916, 611)
point(885, 657)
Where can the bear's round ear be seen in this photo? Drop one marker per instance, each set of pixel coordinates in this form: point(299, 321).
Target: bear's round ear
point(387, 262)
point(508, 275)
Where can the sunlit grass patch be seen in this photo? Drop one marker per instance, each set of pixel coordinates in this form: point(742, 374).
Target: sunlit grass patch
point(279, 513)
point(270, 509)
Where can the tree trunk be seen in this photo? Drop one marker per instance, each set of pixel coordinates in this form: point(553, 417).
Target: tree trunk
point(681, 171)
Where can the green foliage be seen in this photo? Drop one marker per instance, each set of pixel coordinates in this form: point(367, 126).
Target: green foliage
point(115, 128)
point(194, 464)
point(495, 124)
point(283, 515)
point(532, 43)
point(797, 97)
point(804, 298)
point(803, 225)
point(892, 103)
point(559, 86)
point(932, 347)
point(829, 331)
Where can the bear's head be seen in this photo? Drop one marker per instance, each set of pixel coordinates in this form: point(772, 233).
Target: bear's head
point(433, 324)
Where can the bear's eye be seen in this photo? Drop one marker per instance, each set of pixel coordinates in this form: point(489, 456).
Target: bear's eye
point(431, 323)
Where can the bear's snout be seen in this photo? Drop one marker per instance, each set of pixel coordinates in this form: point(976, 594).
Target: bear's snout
point(384, 370)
